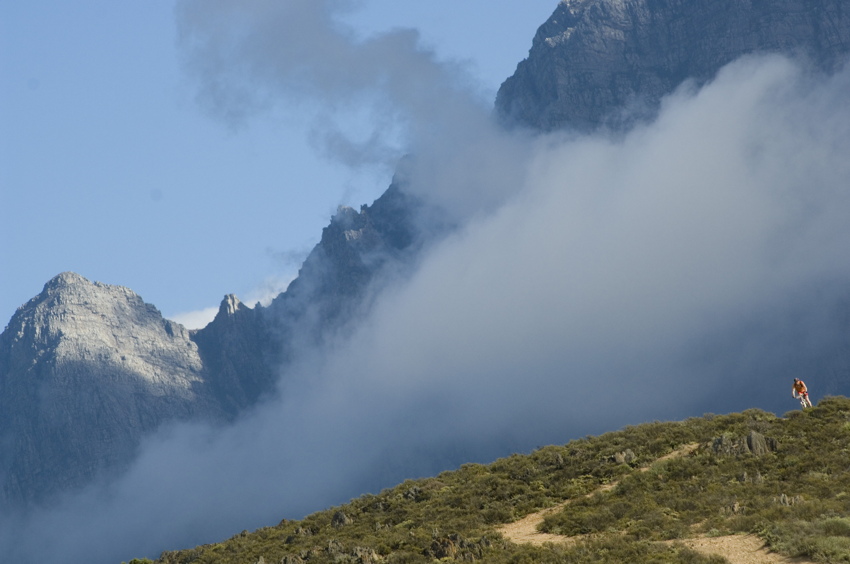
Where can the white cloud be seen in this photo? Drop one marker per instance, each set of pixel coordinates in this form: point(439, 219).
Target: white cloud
point(268, 290)
point(263, 294)
point(195, 319)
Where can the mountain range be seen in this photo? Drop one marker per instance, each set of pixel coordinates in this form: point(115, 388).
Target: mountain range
point(88, 370)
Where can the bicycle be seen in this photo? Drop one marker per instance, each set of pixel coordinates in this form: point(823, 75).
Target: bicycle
point(804, 400)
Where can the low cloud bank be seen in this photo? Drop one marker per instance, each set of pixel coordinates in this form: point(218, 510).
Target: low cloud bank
point(695, 264)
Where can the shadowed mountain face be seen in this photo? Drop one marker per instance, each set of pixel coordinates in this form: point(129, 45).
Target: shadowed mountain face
point(609, 62)
point(88, 370)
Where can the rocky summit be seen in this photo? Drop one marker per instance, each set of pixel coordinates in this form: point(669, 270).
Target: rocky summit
point(609, 62)
point(87, 370)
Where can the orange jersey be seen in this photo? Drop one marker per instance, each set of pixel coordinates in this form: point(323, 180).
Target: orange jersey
point(800, 387)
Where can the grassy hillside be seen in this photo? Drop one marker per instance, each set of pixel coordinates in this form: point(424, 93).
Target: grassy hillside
point(792, 492)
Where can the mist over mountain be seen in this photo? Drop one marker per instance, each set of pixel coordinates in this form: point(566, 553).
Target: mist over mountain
point(510, 289)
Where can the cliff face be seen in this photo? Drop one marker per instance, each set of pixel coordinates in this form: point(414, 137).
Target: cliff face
point(237, 352)
point(86, 370)
point(609, 62)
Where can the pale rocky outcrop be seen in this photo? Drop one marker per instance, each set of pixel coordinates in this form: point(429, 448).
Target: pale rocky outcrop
point(754, 443)
point(86, 370)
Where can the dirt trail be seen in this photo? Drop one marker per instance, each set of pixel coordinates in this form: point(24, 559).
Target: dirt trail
point(738, 549)
point(525, 530)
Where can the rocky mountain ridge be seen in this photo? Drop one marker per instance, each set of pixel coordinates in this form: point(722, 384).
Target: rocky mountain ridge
point(87, 370)
point(609, 62)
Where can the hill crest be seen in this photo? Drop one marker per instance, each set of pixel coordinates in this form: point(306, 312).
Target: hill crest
point(635, 495)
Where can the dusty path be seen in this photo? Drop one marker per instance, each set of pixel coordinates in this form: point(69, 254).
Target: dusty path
point(737, 549)
point(740, 549)
point(525, 530)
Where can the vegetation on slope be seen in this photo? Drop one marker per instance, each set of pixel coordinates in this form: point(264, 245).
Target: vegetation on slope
point(794, 495)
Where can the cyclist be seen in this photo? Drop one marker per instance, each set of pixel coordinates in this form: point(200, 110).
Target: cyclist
point(799, 391)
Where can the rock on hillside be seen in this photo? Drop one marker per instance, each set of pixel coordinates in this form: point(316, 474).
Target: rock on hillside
point(86, 370)
point(609, 62)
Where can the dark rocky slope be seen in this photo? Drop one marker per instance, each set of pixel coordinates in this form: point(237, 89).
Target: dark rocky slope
point(609, 62)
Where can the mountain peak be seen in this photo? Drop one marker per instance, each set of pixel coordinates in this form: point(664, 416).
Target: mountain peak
point(75, 291)
point(230, 305)
point(67, 278)
point(65, 283)
point(608, 63)
point(88, 347)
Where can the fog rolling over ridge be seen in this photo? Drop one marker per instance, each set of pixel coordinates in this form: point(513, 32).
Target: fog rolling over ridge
point(688, 267)
point(692, 264)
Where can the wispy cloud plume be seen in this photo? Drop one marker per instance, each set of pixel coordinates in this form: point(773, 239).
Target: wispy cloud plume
point(372, 100)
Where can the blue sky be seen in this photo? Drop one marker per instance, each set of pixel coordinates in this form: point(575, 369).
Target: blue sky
point(110, 167)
